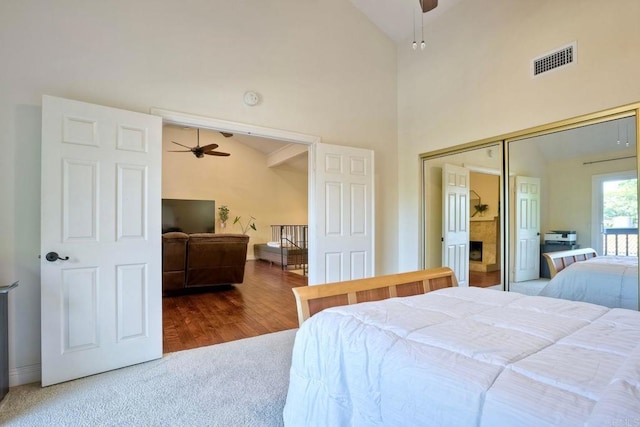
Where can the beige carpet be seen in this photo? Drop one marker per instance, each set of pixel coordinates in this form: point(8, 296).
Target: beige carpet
point(239, 383)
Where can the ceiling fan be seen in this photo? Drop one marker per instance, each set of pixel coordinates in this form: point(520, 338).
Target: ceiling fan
point(427, 5)
point(199, 151)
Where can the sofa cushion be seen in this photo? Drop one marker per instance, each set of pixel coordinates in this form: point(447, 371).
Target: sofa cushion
point(216, 258)
point(174, 251)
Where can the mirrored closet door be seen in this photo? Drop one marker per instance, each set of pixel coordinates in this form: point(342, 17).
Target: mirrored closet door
point(569, 185)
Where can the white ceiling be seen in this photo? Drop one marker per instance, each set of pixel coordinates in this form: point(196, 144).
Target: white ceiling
point(605, 138)
point(266, 146)
point(395, 17)
point(270, 146)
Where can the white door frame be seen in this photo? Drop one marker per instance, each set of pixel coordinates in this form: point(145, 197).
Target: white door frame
point(526, 249)
point(101, 302)
point(203, 122)
point(455, 220)
point(341, 205)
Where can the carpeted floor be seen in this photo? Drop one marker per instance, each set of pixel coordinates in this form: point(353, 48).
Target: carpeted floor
point(239, 383)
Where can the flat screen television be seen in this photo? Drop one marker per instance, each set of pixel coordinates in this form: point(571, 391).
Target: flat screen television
point(188, 216)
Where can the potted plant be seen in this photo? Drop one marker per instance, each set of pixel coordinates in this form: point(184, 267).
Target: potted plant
point(245, 227)
point(223, 214)
point(481, 208)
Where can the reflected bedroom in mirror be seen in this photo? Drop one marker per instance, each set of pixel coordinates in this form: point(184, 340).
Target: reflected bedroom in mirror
point(462, 194)
point(574, 204)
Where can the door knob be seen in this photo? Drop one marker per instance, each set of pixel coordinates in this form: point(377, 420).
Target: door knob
point(53, 256)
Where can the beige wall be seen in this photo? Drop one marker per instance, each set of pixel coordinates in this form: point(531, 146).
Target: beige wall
point(488, 188)
point(321, 68)
point(242, 181)
point(473, 79)
point(570, 193)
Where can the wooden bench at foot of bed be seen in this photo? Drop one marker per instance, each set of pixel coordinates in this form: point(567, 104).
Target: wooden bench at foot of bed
point(312, 299)
point(558, 261)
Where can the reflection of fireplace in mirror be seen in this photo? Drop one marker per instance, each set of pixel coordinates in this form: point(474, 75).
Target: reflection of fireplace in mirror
point(475, 251)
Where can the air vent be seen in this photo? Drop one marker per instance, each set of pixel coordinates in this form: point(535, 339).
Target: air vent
point(554, 60)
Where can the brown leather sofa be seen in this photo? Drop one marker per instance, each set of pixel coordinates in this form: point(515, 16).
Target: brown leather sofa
point(202, 259)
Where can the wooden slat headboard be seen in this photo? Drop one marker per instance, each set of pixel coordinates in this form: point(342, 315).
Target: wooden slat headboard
point(312, 299)
point(558, 261)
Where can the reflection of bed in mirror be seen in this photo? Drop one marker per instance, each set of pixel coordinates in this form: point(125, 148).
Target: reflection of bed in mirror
point(581, 275)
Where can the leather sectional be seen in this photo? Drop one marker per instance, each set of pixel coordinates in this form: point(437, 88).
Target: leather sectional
point(202, 260)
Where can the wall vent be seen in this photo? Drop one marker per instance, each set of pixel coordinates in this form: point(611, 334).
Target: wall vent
point(551, 61)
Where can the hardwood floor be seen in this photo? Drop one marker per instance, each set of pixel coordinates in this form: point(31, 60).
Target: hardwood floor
point(484, 279)
point(263, 303)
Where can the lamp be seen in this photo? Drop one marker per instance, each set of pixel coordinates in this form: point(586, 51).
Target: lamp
point(414, 45)
point(422, 44)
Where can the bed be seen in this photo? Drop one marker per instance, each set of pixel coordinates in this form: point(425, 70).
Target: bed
point(581, 275)
point(287, 248)
point(464, 357)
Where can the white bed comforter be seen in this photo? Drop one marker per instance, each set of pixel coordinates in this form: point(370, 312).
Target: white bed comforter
point(466, 357)
point(611, 281)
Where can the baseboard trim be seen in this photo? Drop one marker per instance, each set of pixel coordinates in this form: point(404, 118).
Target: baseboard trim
point(25, 375)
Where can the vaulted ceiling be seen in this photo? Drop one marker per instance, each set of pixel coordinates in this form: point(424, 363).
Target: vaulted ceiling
point(395, 17)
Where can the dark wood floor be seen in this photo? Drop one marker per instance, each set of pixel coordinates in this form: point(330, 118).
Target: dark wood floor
point(484, 279)
point(263, 303)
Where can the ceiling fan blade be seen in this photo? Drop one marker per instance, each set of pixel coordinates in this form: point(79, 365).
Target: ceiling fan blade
point(182, 145)
point(428, 5)
point(226, 134)
point(217, 153)
point(178, 151)
point(209, 147)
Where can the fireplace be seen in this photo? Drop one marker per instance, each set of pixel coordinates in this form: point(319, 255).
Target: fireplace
point(484, 245)
point(475, 250)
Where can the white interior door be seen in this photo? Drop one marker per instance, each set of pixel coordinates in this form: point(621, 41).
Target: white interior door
point(101, 308)
point(341, 214)
point(455, 221)
point(527, 221)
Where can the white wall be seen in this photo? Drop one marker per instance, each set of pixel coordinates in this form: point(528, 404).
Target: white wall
point(321, 68)
point(473, 80)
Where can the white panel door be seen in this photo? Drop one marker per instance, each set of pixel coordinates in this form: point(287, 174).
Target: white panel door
point(341, 207)
point(527, 212)
point(455, 221)
point(101, 308)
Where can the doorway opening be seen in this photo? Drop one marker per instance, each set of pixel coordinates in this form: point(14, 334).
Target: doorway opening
point(250, 183)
